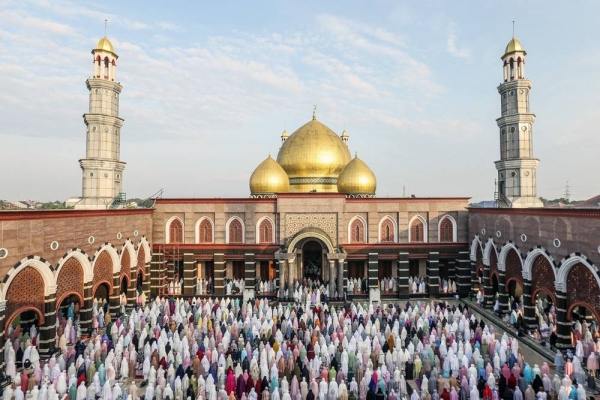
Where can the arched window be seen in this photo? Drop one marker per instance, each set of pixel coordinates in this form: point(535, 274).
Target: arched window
point(417, 233)
point(446, 233)
point(106, 64)
point(387, 231)
point(175, 231)
point(512, 69)
point(206, 231)
point(357, 231)
point(265, 231)
point(236, 231)
point(519, 70)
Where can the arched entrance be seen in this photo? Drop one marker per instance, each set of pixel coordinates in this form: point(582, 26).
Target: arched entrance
point(514, 289)
point(102, 292)
point(312, 260)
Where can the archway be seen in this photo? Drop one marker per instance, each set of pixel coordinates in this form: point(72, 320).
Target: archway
point(495, 285)
point(140, 280)
point(102, 292)
point(514, 289)
point(124, 287)
point(312, 259)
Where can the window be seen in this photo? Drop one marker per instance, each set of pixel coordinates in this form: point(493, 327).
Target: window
point(387, 231)
point(206, 231)
point(417, 231)
point(176, 231)
point(265, 231)
point(236, 231)
point(446, 230)
point(357, 231)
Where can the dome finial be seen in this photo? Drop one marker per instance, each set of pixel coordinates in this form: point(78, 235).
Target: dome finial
point(513, 29)
point(105, 26)
point(314, 112)
point(355, 154)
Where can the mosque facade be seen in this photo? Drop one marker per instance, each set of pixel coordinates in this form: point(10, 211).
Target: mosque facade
point(312, 213)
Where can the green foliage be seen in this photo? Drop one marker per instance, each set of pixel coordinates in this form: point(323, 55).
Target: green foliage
point(562, 200)
point(142, 203)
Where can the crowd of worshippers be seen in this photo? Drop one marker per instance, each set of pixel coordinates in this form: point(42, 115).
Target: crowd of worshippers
point(227, 349)
point(204, 286)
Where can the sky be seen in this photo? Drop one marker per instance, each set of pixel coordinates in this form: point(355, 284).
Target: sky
point(208, 88)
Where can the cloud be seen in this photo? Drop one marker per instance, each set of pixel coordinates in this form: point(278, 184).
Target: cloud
point(169, 26)
point(453, 49)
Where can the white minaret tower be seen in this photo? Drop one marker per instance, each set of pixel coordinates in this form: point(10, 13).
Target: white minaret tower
point(517, 166)
point(102, 169)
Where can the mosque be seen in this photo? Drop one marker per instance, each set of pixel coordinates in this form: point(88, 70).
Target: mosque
point(312, 213)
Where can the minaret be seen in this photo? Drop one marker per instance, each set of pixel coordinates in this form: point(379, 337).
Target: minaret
point(102, 168)
point(345, 137)
point(517, 166)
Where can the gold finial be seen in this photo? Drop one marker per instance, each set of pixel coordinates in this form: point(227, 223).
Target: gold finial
point(105, 26)
point(269, 154)
point(513, 29)
point(355, 154)
point(314, 112)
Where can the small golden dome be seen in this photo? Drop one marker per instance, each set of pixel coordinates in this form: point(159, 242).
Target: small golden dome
point(513, 46)
point(106, 45)
point(345, 134)
point(357, 178)
point(284, 134)
point(313, 157)
point(269, 178)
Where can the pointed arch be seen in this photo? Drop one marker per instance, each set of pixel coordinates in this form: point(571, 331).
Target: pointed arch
point(357, 230)
point(388, 230)
point(174, 232)
point(265, 230)
point(235, 230)
point(128, 261)
point(569, 262)
point(530, 258)
point(447, 229)
point(143, 243)
point(84, 260)
point(204, 230)
point(504, 251)
point(417, 230)
point(42, 266)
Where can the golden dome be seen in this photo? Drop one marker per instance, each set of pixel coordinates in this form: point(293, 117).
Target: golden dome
point(513, 46)
point(269, 178)
point(313, 157)
point(357, 178)
point(106, 45)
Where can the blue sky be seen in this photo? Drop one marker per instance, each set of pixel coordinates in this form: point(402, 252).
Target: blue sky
point(208, 87)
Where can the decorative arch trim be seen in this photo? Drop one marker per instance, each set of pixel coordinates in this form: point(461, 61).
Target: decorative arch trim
point(229, 221)
point(40, 265)
point(69, 293)
point(197, 230)
point(20, 311)
point(489, 245)
point(580, 303)
point(394, 223)
point(454, 227)
point(84, 261)
point(168, 229)
point(565, 266)
point(476, 242)
point(506, 248)
point(311, 233)
point(257, 231)
point(109, 284)
point(551, 294)
point(364, 226)
point(425, 228)
point(530, 258)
